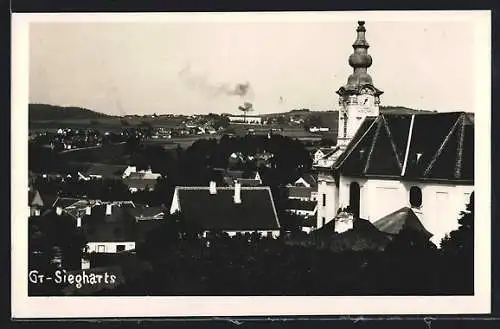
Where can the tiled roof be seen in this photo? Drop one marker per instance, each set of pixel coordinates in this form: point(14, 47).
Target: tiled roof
point(438, 146)
point(399, 220)
point(299, 191)
point(310, 179)
point(117, 227)
point(255, 212)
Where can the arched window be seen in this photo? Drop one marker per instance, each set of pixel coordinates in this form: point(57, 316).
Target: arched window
point(354, 196)
point(415, 197)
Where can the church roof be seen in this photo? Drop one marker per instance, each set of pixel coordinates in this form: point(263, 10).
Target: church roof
point(431, 146)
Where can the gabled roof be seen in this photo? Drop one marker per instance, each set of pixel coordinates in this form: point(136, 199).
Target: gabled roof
point(34, 198)
point(399, 220)
point(218, 211)
point(430, 146)
point(117, 227)
point(310, 179)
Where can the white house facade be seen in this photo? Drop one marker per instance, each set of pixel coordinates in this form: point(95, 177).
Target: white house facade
point(110, 247)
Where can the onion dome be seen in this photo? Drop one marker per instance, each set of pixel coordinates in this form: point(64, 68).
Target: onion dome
point(360, 61)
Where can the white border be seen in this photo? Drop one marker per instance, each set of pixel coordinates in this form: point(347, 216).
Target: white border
point(94, 307)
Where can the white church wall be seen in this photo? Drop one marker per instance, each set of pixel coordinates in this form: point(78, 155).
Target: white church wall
point(439, 211)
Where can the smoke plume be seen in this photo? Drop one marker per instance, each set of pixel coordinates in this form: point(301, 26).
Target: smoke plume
point(201, 83)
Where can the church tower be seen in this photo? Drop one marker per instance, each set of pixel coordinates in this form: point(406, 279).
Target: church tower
point(358, 98)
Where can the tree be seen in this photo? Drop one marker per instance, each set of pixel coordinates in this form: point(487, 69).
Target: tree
point(457, 249)
point(246, 107)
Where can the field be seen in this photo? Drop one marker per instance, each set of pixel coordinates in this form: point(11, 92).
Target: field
point(109, 154)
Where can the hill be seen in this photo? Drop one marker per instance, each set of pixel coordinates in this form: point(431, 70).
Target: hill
point(45, 112)
point(330, 118)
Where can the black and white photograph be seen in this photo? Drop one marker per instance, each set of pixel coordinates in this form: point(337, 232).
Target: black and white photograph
point(251, 163)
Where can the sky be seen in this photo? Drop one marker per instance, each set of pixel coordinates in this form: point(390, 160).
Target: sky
point(215, 65)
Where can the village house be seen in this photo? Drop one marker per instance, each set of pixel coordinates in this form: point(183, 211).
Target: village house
point(231, 210)
point(384, 162)
point(302, 208)
point(306, 180)
point(74, 207)
point(109, 229)
point(35, 201)
point(301, 193)
point(142, 180)
point(325, 158)
point(304, 188)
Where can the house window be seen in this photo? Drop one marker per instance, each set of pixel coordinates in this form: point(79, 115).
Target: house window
point(100, 248)
point(415, 197)
point(324, 200)
point(120, 247)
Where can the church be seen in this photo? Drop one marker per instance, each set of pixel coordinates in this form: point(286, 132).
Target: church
point(384, 162)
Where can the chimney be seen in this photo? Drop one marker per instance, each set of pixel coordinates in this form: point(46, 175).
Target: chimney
point(108, 209)
point(237, 192)
point(213, 187)
point(78, 222)
point(58, 211)
point(88, 210)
